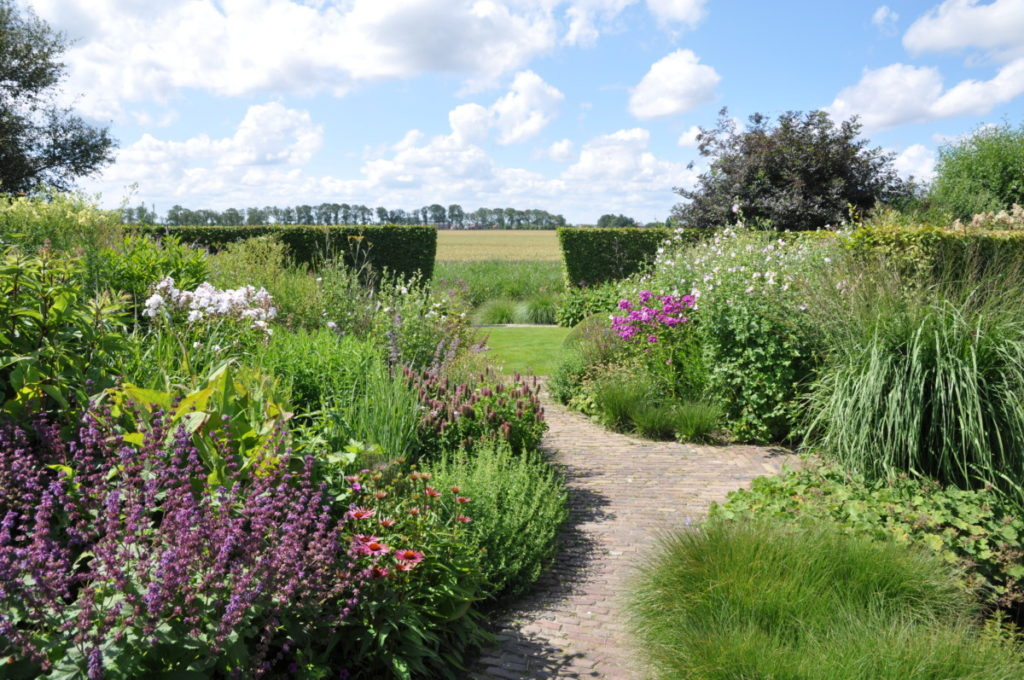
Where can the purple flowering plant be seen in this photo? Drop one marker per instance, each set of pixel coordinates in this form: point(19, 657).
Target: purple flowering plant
point(116, 563)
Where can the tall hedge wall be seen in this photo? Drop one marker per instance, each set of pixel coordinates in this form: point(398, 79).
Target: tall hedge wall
point(403, 250)
point(924, 249)
point(597, 255)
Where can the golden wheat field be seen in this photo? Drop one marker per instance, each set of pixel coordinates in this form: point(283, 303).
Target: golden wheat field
point(519, 244)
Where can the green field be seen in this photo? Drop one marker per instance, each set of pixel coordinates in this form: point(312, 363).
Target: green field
point(529, 350)
point(518, 244)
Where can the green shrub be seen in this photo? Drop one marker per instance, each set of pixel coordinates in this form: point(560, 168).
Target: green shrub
point(974, 530)
point(67, 222)
point(759, 600)
point(579, 302)
point(383, 410)
point(495, 312)
point(982, 172)
point(618, 398)
point(404, 251)
point(655, 421)
point(58, 345)
point(593, 256)
point(137, 263)
point(518, 504)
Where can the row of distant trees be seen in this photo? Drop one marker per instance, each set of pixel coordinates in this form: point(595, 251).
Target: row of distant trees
point(452, 217)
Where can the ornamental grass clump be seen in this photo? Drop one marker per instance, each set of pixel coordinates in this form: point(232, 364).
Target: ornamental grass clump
point(117, 562)
point(924, 377)
point(734, 600)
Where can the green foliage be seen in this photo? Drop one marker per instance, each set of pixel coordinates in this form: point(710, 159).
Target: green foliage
point(384, 410)
point(580, 302)
point(403, 251)
point(974, 530)
point(518, 504)
point(41, 141)
point(982, 172)
point(539, 310)
point(803, 172)
point(67, 222)
point(697, 421)
point(232, 412)
point(615, 221)
point(758, 600)
point(137, 263)
point(524, 350)
point(57, 344)
point(593, 256)
point(495, 312)
point(482, 280)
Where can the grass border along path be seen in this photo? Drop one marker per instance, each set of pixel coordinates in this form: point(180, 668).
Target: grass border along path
point(529, 350)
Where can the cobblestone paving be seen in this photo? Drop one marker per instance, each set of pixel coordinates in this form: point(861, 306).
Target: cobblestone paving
point(623, 493)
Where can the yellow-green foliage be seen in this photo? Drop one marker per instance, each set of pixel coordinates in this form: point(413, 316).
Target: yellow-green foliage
point(66, 221)
point(922, 249)
point(507, 244)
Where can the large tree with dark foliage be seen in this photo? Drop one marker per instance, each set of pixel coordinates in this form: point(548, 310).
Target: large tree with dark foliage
point(802, 172)
point(41, 142)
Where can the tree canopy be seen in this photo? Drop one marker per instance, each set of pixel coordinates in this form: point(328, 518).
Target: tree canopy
point(800, 173)
point(981, 172)
point(41, 142)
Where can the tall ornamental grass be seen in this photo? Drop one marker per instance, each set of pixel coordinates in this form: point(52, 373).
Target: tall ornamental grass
point(748, 600)
point(924, 378)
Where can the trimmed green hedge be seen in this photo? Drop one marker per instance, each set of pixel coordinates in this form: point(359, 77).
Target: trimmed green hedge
point(403, 250)
point(594, 256)
point(927, 249)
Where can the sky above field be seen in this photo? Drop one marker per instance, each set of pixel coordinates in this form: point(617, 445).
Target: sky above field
point(581, 108)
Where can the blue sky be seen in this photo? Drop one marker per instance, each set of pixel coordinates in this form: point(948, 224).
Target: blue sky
point(582, 107)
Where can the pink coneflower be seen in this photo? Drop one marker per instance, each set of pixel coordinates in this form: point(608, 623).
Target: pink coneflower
point(463, 519)
point(432, 492)
point(351, 478)
point(360, 513)
point(463, 499)
point(414, 511)
point(381, 494)
point(379, 572)
point(454, 489)
point(376, 548)
point(407, 555)
point(387, 522)
point(405, 566)
point(365, 538)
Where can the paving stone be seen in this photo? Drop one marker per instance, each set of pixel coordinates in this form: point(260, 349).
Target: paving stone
point(623, 494)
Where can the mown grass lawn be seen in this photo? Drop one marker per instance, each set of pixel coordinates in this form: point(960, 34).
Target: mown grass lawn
point(530, 350)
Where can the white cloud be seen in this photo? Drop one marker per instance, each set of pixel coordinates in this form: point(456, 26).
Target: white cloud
point(688, 12)
point(959, 24)
point(885, 19)
point(527, 108)
point(586, 18)
point(917, 161)
point(689, 138)
point(130, 51)
point(674, 84)
point(899, 93)
point(470, 123)
point(561, 151)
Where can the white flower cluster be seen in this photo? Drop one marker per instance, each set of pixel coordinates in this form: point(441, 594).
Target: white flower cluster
point(209, 302)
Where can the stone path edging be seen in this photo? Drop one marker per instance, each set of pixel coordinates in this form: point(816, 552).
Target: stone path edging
point(623, 494)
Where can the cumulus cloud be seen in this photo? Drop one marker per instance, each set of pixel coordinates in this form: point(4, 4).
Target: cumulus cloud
point(917, 161)
point(675, 84)
point(689, 138)
point(958, 24)
point(900, 93)
point(885, 19)
point(561, 151)
point(527, 108)
point(129, 51)
point(685, 12)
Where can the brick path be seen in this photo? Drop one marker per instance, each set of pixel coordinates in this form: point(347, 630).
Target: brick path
point(623, 493)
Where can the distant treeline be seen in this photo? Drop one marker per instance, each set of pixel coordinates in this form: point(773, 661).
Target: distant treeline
point(452, 217)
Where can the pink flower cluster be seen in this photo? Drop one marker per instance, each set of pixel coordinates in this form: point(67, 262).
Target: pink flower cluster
point(645, 320)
